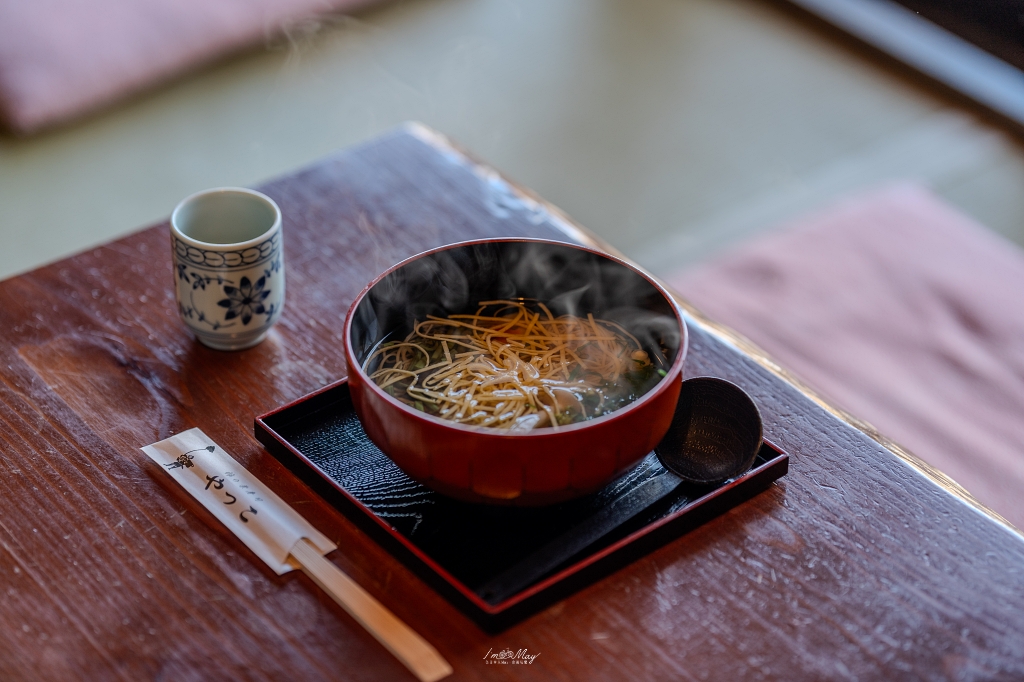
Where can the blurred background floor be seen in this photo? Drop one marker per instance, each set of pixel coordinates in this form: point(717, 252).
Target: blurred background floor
point(672, 128)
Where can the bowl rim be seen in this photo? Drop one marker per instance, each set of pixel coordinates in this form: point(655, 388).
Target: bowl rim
point(675, 370)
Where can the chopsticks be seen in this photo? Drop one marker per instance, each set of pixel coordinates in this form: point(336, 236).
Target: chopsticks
point(285, 540)
point(405, 644)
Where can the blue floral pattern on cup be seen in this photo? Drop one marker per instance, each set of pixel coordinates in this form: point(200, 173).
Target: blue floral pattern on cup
point(242, 301)
point(245, 300)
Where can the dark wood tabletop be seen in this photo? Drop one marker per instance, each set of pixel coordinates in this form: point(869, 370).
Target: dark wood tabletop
point(856, 565)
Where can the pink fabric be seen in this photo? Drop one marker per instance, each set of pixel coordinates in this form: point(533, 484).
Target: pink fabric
point(904, 312)
point(61, 58)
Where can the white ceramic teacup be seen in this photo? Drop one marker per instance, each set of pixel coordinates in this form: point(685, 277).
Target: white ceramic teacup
point(228, 265)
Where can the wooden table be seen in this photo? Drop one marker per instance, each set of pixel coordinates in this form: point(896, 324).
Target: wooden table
point(857, 565)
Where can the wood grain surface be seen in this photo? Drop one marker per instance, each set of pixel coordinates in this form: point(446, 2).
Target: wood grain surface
point(853, 567)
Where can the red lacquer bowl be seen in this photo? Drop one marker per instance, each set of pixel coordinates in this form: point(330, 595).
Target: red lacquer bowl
point(480, 464)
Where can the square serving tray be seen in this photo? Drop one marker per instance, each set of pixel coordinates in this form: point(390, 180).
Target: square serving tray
point(496, 564)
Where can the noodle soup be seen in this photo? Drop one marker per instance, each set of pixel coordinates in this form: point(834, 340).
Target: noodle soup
point(514, 371)
point(514, 365)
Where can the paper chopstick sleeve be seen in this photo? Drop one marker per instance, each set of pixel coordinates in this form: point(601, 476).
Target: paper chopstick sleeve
point(257, 516)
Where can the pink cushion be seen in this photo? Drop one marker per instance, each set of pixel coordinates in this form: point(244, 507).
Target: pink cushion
point(904, 312)
point(61, 58)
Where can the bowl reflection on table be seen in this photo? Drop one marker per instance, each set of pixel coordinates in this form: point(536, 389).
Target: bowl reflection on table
point(490, 465)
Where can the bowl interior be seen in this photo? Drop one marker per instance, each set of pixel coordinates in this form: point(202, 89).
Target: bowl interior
point(567, 279)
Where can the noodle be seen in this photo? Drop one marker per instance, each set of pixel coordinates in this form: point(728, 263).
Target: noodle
point(514, 367)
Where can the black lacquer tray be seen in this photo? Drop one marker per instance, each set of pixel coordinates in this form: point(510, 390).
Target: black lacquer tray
point(496, 564)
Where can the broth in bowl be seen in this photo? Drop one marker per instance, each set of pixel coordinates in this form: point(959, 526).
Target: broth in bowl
point(513, 365)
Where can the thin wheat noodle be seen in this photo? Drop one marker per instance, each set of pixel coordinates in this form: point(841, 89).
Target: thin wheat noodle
point(520, 368)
